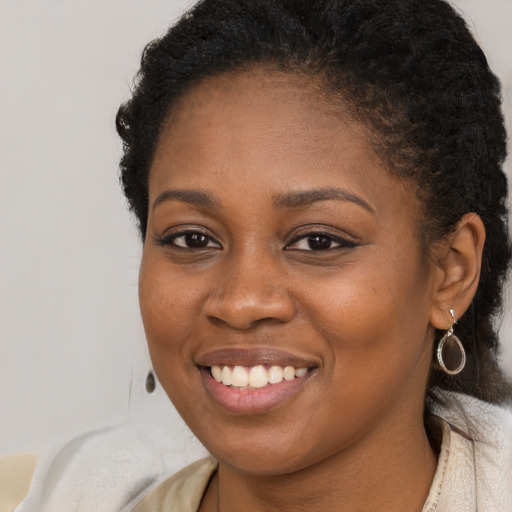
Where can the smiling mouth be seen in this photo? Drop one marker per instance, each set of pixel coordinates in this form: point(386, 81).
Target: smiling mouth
point(254, 381)
point(255, 377)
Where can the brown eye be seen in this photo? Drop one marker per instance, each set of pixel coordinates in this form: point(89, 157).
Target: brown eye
point(194, 240)
point(320, 242)
point(189, 240)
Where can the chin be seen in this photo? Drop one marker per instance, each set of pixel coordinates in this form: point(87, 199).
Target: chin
point(264, 454)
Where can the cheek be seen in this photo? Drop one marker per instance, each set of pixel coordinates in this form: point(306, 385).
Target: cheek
point(374, 326)
point(372, 312)
point(167, 304)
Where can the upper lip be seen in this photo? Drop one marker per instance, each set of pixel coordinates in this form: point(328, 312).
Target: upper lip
point(231, 356)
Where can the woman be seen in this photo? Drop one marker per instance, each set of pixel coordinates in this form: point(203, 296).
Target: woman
point(319, 190)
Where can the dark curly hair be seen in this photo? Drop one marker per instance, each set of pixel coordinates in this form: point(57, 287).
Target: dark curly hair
point(409, 70)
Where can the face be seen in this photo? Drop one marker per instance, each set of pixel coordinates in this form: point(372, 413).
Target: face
point(277, 243)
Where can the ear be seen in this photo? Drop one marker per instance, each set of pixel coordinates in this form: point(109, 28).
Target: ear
point(458, 261)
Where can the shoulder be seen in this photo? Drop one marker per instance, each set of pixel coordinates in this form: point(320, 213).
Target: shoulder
point(181, 492)
point(15, 476)
point(478, 438)
point(487, 425)
point(108, 469)
point(492, 448)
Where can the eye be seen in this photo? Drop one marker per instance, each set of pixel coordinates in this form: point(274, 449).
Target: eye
point(189, 240)
point(319, 242)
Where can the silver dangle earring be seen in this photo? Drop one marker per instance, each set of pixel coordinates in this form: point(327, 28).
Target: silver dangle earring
point(450, 352)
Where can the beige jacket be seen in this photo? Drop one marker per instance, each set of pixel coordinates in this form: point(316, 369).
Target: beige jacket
point(472, 475)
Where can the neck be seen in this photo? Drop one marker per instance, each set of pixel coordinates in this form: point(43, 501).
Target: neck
point(392, 471)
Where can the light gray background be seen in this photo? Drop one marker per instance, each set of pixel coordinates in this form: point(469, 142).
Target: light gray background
point(72, 353)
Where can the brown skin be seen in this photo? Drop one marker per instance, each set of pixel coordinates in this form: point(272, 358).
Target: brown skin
point(353, 438)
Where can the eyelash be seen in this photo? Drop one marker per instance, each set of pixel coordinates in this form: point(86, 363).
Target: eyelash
point(171, 239)
point(342, 243)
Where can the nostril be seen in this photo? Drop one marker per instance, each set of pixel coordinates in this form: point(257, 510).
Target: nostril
point(247, 312)
point(243, 323)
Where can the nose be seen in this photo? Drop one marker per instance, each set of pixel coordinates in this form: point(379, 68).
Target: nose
point(250, 291)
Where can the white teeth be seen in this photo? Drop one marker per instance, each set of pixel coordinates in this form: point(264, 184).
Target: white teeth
point(275, 374)
point(289, 373)
point(217, 373)
point(255, 376)
point(300, 372)
point(258, 377)
point(239, 377)
point(226, 376)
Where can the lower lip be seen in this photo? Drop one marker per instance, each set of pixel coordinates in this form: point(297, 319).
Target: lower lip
point(252, 401)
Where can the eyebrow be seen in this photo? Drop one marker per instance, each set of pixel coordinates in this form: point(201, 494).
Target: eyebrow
point(308, 197)
point(193, 197)
point(281, 201)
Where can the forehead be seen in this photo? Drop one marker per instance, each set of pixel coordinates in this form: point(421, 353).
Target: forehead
point(268, 131)
point(261, 83)
point(277, 108)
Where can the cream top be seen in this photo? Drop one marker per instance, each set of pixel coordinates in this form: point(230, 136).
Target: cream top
point(120, 470)
point(457, 484)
